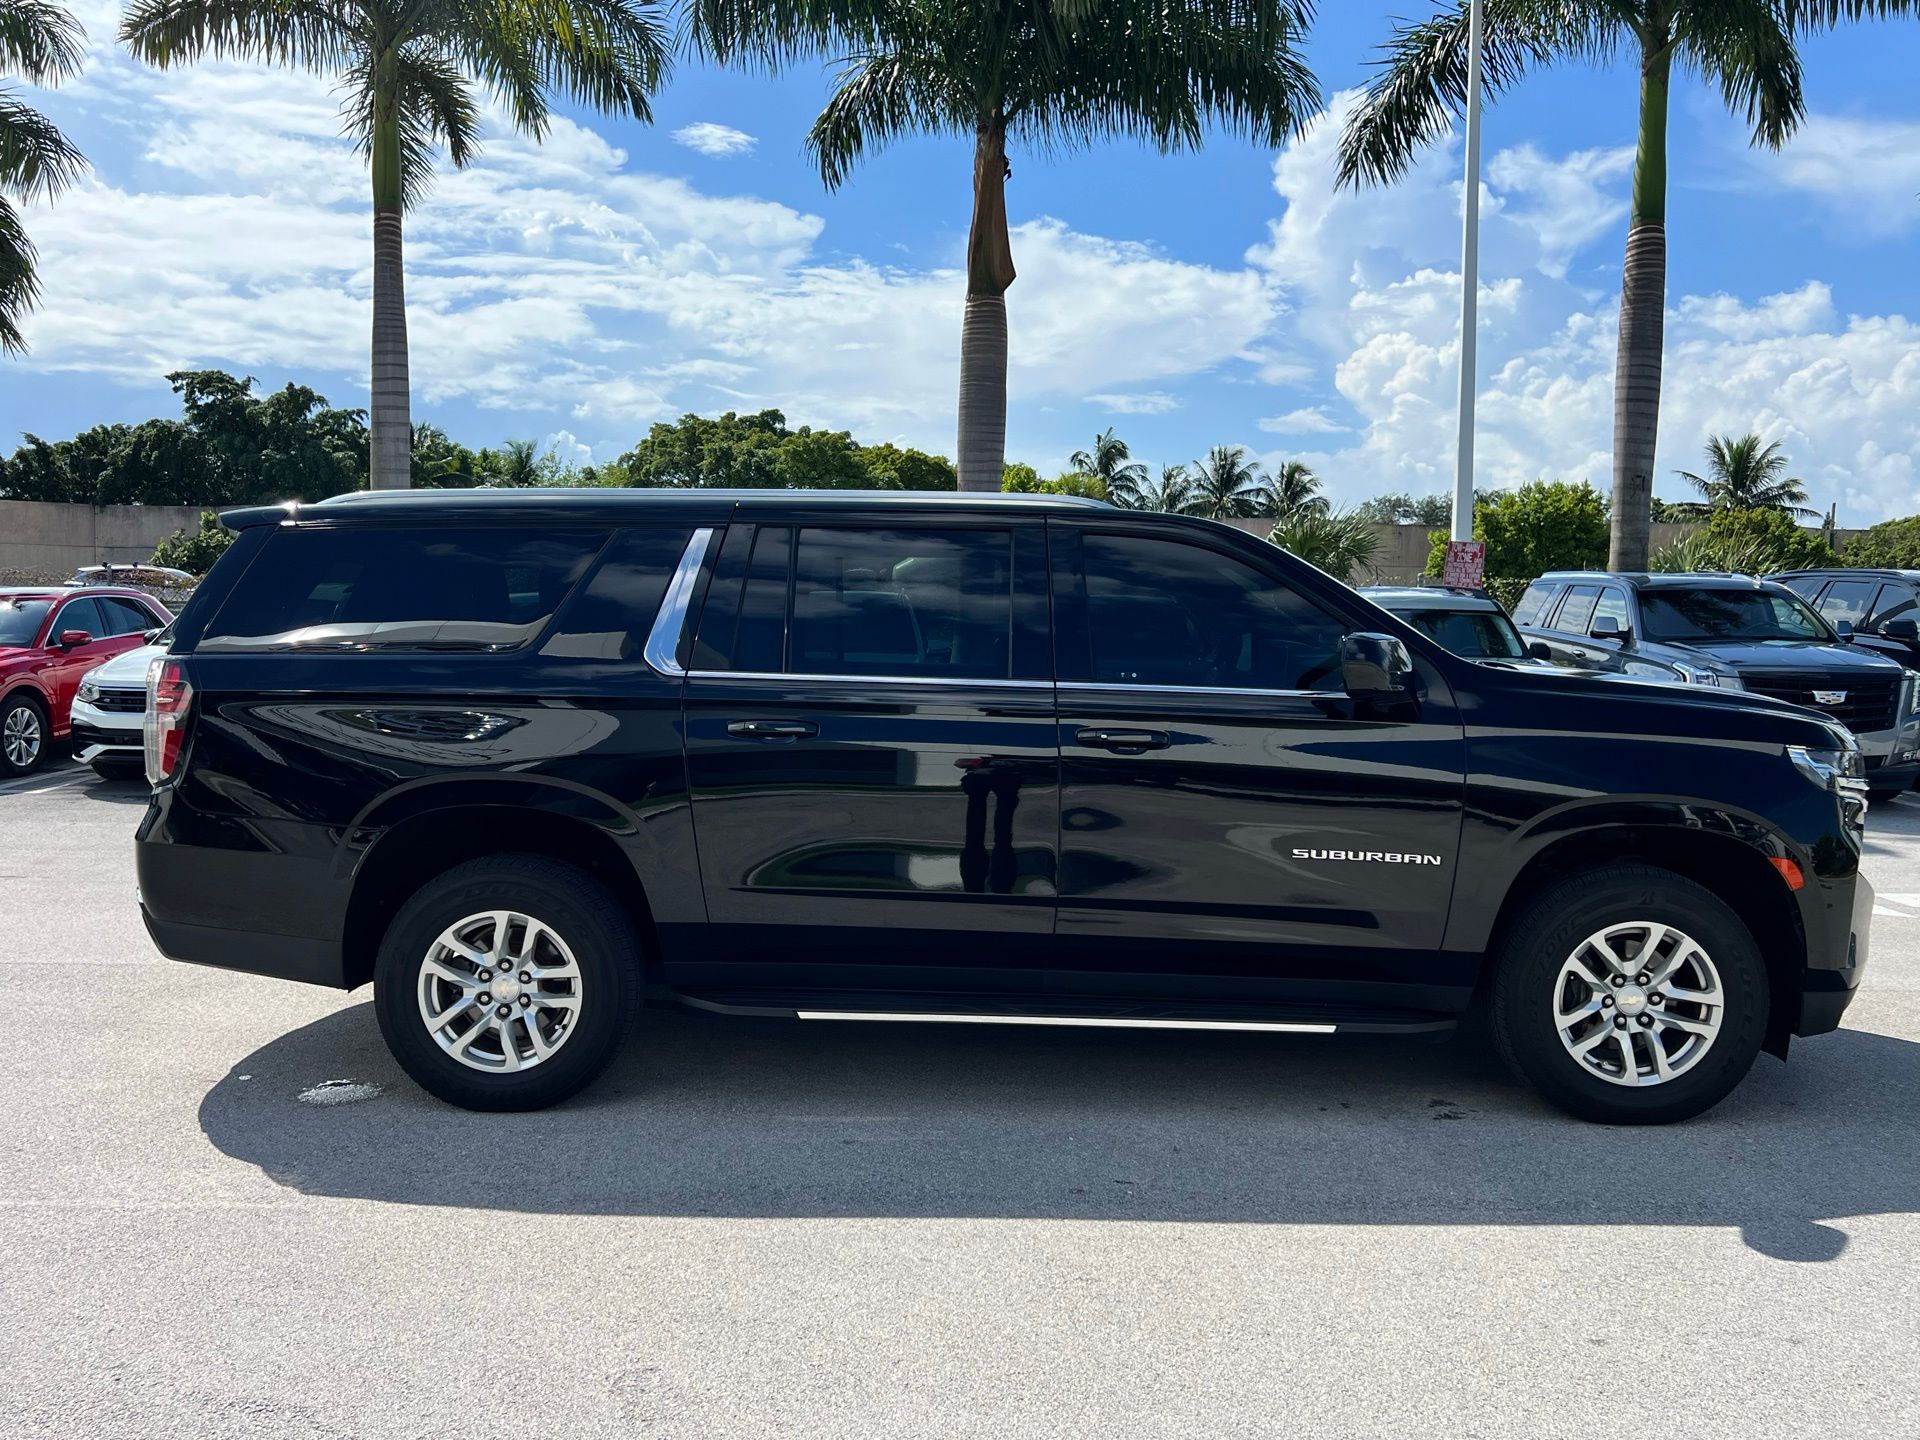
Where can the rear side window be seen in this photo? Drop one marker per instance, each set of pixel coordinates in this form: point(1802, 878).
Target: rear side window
point(358, 589)
point(1533, 605)
point(935, 603)
point(1848, 600)
point(124, 617)
point(1576, 612)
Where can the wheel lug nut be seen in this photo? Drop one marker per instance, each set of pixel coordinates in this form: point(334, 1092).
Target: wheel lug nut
point(485, 998)
point(1616, 982)
point(526, 977)
point(1656, 998)
point(1646, 1022)
point(504, 1011)
point(526, 1000)
point(1642, 978)
point(1619, 1022)
point(1606, 1002)
point(486, 974)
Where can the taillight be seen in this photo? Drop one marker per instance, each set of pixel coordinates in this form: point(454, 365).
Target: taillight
point(169, 702)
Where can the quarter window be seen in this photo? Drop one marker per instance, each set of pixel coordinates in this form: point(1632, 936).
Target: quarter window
point(1533, 605)
point(934, 603)
point(1162, 613)
point(608, 619)
point(122, 616)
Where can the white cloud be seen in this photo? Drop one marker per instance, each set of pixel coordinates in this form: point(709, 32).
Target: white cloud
point(1313, 420)
point(1866, 171)
point(1151, 402)
point(1567, 204)
point(716, 142)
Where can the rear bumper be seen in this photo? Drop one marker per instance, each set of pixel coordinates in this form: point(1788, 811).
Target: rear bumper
point(280, 957)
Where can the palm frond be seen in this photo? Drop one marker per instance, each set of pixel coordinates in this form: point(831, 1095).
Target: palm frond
point(316, 34)
point(19, 285)
point(1823, 14)
point(36, 160)
point(432, 104)
point(877, 98)
point(40, 41)
point(1422, 85)
point(1747, 49)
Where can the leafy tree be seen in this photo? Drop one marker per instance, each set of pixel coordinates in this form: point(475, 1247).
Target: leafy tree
point(1295, 490)
point(406, 68)
point(194, 553)
point(1025, 480)
point(1229, 486)
point(1342, 543)
point(1545, 525)
point(1891, 545)
point(1046, 74)
point(1171, 493)
point(1120, 476)
point(516, 465)
point(437, 461)
point(1401, 508)
point(43, 43)
point(1744, 474)
point(1744, 48)
point(896, 467)
point(1019, 479)
point(1746, 542)
point(760, 452)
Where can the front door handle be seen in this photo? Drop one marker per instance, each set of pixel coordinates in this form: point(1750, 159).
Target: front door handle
point(772, 729)
point(1125, 742)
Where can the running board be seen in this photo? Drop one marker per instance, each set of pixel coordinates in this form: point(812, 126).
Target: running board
point(1282, 1027)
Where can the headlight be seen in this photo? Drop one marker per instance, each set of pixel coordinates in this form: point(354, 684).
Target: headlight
point(1910, 693)
point(1843, 772)
point(1699, 675)
point(88, 691)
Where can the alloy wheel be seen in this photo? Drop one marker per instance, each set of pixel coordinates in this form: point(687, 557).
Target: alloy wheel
point(1638, 1003)
point(20, 737)
point(499, 991)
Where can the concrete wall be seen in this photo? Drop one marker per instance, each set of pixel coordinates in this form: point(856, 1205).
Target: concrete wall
point(45, 538)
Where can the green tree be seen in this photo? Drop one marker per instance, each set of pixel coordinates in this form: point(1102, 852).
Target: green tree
point(1120, 476)
point(1295, 490)
point(1044, 74)
point(896, 467)
point(1229, 486)
point(1019, 479)
point(1400, 508)
point(759, 451)
point(1745, 474)
point(1342, 543)
point(43, 44)
point(1025, 480)
point(1170, 494)
point(438, 462)
point(1746, 542)
point(406, 68)
point(1891, 545)
point(1744, 48)
point(194, 552)
point(1545, 525)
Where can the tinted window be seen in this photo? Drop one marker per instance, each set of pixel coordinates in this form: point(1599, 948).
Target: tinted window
point(1533, 605)
point(1895, 602)
point(1477, 634)
point(405, 589)
point(20, 620)
point(610, 616)
point(901, 602)
point(743, 626)
point(124, 617)
point(1576, 612)
point(1729, 615)
point(1163, 613)
point(80, 615)
point(1612, 605)
point(1847, 600)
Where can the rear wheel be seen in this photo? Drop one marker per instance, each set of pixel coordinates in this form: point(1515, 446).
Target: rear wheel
point(1631, 996)
point(23, 734)
point(507, 983)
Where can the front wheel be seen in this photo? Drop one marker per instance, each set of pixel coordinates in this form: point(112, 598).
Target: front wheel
point(1629, 995)
point(23, 735)
point(507, 983)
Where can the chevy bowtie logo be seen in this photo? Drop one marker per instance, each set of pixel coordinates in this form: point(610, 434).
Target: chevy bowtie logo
point(1829, 697)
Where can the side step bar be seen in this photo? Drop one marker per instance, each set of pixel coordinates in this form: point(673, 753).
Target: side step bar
point(1103, 1022)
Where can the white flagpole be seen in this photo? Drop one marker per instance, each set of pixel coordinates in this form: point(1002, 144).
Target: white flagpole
point(1469, 289)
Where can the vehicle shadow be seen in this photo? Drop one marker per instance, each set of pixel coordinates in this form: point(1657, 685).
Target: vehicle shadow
point(704, 1116)
point(116, 791)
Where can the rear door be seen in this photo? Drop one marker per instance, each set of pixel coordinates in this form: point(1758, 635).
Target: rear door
point(870, 745)
point(1232, 824)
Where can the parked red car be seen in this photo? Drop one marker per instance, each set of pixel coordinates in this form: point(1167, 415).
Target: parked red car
point(51, 635)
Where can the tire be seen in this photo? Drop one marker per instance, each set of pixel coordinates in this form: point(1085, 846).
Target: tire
point(1573, 932)
point(580, 926)
point(24, 734)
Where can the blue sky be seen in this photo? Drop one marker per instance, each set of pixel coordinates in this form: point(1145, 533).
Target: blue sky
point(576, 291)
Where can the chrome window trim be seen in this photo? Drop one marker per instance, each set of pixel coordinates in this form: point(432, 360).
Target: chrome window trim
point(766, 676)
point(662, 650)
point(1085, 685)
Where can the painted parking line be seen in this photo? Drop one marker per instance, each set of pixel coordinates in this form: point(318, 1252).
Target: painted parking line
point(1898, 904)
point(41, 784)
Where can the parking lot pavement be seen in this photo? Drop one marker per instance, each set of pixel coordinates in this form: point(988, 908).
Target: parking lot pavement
point(773, 1229)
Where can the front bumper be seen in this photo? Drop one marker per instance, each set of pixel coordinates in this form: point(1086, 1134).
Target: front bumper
point(1828, 991)
point(1892, 755)
point(109, 733)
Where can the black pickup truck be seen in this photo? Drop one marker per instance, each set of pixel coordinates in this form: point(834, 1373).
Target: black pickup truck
point(522, 759)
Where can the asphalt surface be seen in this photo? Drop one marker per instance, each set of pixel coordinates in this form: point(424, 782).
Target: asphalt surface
point(788, 1230)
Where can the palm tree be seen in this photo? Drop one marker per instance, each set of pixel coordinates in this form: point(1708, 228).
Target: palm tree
point(1228, 486)
point(1121, 478)
point(1295, 490)
point(1743, 47)
point(407, 69)
point(43, 43)
point(1340, 542)
point(1170, 494)
point(1745, 474)
point(1039, 74)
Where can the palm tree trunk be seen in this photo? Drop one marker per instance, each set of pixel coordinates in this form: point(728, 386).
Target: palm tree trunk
point(390, 415)
point(982, 442)
point(1643, 306)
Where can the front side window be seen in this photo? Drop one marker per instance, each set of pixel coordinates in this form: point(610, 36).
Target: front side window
point(1895, 602)
point(1159, 612)
point(1612, 605)
point(357, 588)
point(1694, 615)
point(79, 615)
point(914, 603)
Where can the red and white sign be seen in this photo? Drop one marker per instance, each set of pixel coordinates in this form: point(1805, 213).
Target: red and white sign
point(1466, 564)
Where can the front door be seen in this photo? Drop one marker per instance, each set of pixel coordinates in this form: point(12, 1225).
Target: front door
point(871, 751)
point(1232, 824)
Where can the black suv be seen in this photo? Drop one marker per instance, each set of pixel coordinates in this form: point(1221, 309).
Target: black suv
point(1878, 610)
point(1735, 633)
point(520, 757)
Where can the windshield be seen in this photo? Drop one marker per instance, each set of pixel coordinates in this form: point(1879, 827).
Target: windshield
point(1696, 615)
point(20, 620)
point(1476, 634)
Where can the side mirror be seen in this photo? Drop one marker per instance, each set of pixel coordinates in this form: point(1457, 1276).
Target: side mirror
point(1844, 629)
point(1607, 628)
point(1907, 630)
point(1375, 667)
point(1537, 650)
point(68, 639)
point(147, 637)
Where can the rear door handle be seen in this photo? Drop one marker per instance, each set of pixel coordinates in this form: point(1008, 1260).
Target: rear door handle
point(1123, 741)
point(772, 729)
